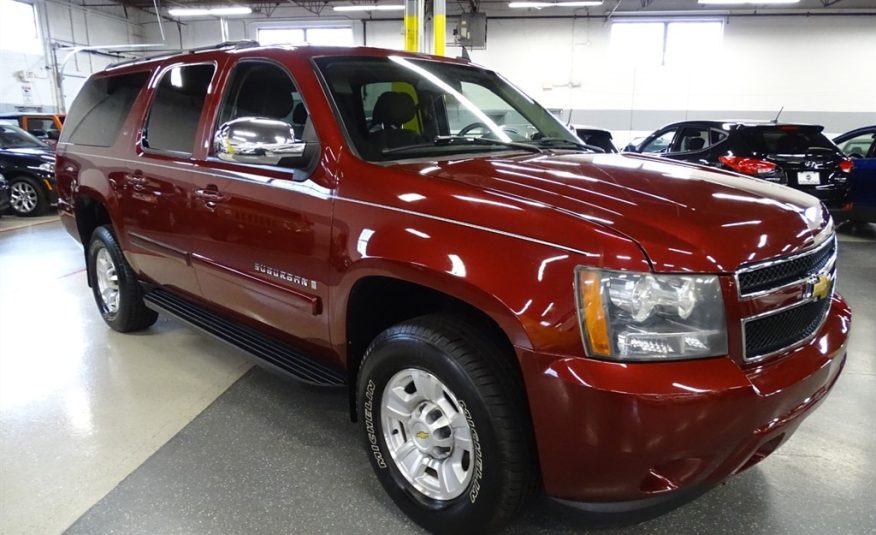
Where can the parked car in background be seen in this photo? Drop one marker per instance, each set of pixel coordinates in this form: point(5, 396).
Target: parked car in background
point(595, 137)
point(860, 146)
point(796, 155)
point(44, 126)
point(29, 167)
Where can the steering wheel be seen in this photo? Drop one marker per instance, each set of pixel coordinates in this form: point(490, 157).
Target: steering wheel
point(515, 134)
point(473, 126)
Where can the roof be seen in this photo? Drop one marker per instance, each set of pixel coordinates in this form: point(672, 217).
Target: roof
point(17, 114)
point(726, 123)
point(305, 52)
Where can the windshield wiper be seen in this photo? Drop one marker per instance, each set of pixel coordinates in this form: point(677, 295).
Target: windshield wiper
point(443, 141)
point(560, 143)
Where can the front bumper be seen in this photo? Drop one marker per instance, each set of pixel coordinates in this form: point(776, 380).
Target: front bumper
point(4, 196)
point(611, 432)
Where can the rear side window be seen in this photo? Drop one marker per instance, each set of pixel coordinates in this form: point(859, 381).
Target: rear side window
point(692, 138)
point(100, 109)
point(787, 139)
point(176, 109)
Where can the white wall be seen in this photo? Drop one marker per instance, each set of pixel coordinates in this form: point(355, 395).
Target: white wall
point(66, 24)
point(817, 68)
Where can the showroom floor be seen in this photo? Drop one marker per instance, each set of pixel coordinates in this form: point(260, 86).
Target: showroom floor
point(168, 431)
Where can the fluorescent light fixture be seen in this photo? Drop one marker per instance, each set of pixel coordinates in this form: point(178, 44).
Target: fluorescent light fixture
point(204, 12)
point(739, 2)
point(371, 7)
point(540, 5)
point(233, 10)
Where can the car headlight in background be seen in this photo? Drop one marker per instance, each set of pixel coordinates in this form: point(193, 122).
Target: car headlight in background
point(2, 178)
point(650, 317)
point(48, 167)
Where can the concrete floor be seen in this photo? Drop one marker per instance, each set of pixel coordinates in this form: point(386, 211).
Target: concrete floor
point(168, 431)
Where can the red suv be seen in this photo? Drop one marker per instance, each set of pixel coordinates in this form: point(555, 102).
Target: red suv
point(509, 309)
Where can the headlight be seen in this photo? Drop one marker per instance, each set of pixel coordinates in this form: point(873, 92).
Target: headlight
point(48, 167)
point(645, 316)
point(2, 178)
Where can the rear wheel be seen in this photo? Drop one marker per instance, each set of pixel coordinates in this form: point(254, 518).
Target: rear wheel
point(117, 292)
point(27, 198)
point(446, 425)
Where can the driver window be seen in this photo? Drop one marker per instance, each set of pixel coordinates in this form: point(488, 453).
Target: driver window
point(660, 143)
point(464, 121)
point(859, 146)
point(263, 119)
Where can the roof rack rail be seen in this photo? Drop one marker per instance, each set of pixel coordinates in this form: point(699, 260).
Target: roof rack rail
point(243, 43)
point(232, 45)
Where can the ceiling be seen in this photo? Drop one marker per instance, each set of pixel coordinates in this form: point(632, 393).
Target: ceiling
point(500, 7)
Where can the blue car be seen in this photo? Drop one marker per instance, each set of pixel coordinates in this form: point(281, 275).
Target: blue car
point(860, 146)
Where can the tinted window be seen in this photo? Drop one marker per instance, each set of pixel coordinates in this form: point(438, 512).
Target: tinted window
point(788, 139)
point(718, 136)
point(176, 109)
point(100, 109)
point(263, 90)
point(13, 137)
point(692, 139)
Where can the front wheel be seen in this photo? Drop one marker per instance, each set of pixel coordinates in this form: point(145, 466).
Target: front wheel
point(117, 292)
point(26, 197)
point(446, 425)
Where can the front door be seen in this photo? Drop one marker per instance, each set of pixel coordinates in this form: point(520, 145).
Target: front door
point(262, 231)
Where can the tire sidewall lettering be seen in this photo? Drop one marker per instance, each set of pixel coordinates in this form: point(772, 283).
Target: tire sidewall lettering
point(368, 413)
point(475, 488)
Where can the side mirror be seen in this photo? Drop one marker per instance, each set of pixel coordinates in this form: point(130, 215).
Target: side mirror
point(53, 134)
point(630, 148)
point(259, 141)
point(37, 133)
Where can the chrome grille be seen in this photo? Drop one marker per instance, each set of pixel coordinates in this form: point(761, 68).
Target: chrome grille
point(767, 335)
point(774, 331)
point(786, 271)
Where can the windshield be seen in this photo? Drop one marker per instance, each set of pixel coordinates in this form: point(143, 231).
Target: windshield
point(395, 108)
point(13, 137)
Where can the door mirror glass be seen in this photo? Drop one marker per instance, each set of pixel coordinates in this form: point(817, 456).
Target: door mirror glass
point(259, 141)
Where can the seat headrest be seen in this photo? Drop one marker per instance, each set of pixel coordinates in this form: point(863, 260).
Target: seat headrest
point(271, 100)
point(696, 143)
point(394, 109)
point(299, 114)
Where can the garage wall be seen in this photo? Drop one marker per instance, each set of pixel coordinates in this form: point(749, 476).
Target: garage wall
point(815, 67)
point(65, 24)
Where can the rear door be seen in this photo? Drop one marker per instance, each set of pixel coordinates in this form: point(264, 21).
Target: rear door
point(861, 149)
point(156, 187)
point(261, 233)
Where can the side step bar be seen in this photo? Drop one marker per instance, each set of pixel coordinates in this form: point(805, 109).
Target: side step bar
point(270, 351)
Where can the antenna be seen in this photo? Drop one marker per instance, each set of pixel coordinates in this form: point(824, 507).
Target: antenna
point(569, 122)
point(776, 120)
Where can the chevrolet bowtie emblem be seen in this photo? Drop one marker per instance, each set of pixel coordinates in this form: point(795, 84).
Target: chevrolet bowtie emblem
point(821, 287)
point(422, 435)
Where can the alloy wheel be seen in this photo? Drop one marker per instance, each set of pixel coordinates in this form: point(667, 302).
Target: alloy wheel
point(23, 197)
point(107, 280)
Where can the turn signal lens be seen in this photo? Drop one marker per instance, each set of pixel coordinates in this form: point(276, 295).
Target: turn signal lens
point(748, 166)
point(846, 166)
point(592, 310)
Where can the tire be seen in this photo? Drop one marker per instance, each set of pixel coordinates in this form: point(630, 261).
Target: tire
point(117, 292)
point(27, 197)
point(478, 393)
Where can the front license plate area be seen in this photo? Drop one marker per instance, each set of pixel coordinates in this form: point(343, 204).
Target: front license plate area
point(808, 178)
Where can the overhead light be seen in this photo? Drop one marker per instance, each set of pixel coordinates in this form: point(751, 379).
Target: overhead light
point(541, 5)
point(204, 12)
point(372, 7)
point(233, 10)
point(739, 2)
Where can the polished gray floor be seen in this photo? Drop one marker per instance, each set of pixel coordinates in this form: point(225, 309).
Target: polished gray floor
point(271, 456)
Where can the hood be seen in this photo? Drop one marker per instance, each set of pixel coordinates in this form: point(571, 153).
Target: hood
point(28, 155)
point(685, 217)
